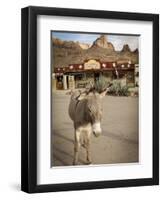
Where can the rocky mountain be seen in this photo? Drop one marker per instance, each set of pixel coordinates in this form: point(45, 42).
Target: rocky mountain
point(102, 42)
point(126, 48)
point(66, 44)
point(84, 45)
point(136, 51)
point(69, 52)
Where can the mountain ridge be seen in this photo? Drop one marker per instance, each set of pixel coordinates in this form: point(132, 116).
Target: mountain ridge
point(70, 52)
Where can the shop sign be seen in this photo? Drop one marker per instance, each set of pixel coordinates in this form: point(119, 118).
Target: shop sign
point(92, 64)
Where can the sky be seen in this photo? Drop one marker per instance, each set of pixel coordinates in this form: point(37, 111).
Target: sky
point(117, 40)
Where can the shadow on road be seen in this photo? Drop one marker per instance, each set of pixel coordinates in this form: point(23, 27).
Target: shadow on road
point(64, 153)
point(120, 138)
point(58, 134)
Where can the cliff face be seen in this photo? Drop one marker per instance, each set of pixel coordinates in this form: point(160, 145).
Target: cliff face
point(103, 43)
point(84, 45)
point(69, 52)
point(126, 48)
point(57, 43)
point(136, 51)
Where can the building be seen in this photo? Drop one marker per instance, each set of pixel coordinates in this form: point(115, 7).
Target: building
point(78, 75)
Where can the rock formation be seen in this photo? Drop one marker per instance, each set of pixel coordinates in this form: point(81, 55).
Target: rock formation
point(69, 52)
point(102, 42)
point(126, 48)
point(84, 45)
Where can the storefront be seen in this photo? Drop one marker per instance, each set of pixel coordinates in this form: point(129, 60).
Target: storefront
point(79, 75)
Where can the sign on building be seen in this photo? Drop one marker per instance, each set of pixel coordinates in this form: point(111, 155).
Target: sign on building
point(92, 64)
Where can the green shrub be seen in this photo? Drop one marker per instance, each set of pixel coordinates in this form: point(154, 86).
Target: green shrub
point(101, 84)
point(118, 90)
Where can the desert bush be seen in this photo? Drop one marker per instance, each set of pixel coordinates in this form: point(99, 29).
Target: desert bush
point(118, 90)
point(101, 84)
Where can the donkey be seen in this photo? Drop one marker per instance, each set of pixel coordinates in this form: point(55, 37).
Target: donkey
point(85, 110)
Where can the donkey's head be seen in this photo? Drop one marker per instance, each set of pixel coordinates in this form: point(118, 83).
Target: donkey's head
point(93, 109)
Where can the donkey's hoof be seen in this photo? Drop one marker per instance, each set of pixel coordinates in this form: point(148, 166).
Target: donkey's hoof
point(88, 162)
point(74, 163)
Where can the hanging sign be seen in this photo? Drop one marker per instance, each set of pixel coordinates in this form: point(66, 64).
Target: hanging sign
point(92, 64)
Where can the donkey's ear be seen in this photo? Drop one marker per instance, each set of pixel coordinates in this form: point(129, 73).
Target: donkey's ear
point(102, 94)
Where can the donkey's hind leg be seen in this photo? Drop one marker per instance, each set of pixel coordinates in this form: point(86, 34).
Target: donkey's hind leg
point(88, 149)
point(76, 147)
point(88, 152)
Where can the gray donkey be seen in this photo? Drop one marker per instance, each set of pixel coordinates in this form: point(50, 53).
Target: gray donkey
point(85, 110)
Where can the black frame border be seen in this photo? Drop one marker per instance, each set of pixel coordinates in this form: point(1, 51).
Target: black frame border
point(29, 98)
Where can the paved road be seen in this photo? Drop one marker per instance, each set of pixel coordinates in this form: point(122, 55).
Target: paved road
point(119, 142)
